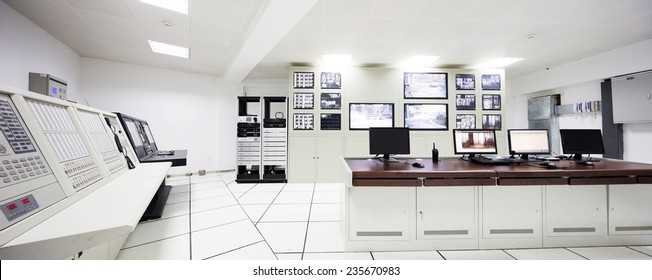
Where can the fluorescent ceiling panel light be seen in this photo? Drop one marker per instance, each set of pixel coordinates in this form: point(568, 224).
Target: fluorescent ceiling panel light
point(168, 49)
point(421, 60)
point(179, 6)
point(500, 62)
point(336, 59)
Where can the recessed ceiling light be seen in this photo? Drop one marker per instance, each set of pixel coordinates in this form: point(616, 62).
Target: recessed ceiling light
point(336, 59)
point(179, 6)
point(421, 60)
point(500, 62)
point(168, 49)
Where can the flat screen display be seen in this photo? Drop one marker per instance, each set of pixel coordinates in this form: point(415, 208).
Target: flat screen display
point(366, 115)
point(528, 141)
point(474, 141)
point(134, 132)
point(581, 141)
point(389, 140)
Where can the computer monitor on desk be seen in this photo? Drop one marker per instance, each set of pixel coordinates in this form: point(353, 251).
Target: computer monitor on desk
point(526, 142)
point(474, 142)
point(389, 140)
point(582, 141)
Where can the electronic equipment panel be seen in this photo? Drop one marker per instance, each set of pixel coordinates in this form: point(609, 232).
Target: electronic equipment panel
point(66, 142)
point(27, 184)
point(102, 141)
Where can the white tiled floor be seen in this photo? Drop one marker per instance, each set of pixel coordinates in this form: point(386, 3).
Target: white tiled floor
point(211, 217)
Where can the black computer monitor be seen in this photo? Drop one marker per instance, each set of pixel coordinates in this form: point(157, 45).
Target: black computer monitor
point(526, 142)
point(474, 141)
point(388, 141)
point(581, 141)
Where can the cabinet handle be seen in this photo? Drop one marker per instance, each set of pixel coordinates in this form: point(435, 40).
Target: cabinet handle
point(421, 214)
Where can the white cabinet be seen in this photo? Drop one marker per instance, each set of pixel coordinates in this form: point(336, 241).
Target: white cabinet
point(447, 212)
point(380, 213)
point(511, 211)
point(315, 159)
point(630, 209)
point(576, 210)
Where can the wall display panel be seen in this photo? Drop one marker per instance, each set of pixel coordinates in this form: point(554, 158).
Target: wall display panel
point(101, 138)
point(425, 85)
point(304, 100)
point(331, 101)
point(465, 101)
point(465, 121)
point(465, 81)
point(66, 142)
point(304, 121)
point(304, 79)
point(426, 116)
point(27, 184)
point(491, 82)
point(331, 80)
point(362, 116)
point(491, 121)
point(331, 121)
point(491, 102)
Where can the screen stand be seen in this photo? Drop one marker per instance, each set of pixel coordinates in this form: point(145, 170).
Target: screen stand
point(525, 156)
point(387, 158)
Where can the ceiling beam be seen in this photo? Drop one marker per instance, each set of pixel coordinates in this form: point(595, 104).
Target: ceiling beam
point(273, 22)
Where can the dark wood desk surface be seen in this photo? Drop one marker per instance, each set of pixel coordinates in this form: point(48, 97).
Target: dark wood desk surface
point(456, 172)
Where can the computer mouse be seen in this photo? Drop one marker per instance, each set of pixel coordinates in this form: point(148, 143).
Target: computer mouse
point(418, 164)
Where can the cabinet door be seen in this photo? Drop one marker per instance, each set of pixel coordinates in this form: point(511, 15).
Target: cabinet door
point(302, 159)
point(630, 209)
point(511, 211)
point(576, 210)
point(446, 212)
point(329, 159)
point(380, 213)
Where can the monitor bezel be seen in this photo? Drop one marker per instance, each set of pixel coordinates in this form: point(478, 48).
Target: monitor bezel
point(386, 155)
point(455, 151)
point(509, 141)
point(580, 152)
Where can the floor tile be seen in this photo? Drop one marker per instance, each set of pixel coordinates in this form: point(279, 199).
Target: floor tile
point(175, 248)
point(643, 249)
point(324, 237)
point(212, 203)
point(610, 253)
point(325, 213)
point(476, 255)
point(337, 256)
point(218, 240)
point(289, 256)
point(244, 187)
point(293, 197)
point(284, 237)
point(329, 187)
point(286, 213)
point(544, 254)
point(326, 197)
point(220, 216)
point(299, 187)
point(180, 189)
point(212, 177)
point(267, 187)
point(257, 251)
point(157, 230)
point(177, 181)
point(411, 255)
point(255, 211)
point(174, 210)
point(257, 197)
point(207, 186)
point(178, 197)
point(206, 193)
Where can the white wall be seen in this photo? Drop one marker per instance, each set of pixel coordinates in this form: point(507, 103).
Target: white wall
point(580, 81)
point(25, 47)
point(185, 111)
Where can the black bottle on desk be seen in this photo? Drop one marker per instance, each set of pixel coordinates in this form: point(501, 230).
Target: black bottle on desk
point(435, 153)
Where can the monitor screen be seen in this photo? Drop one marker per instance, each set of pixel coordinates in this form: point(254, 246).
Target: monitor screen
point(474, 141)
point(134, 133)
point(581, 141)
point(389, 140)
point(528, 141)
point(366, 115)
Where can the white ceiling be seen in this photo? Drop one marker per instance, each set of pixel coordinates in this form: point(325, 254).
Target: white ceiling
point(376, 32)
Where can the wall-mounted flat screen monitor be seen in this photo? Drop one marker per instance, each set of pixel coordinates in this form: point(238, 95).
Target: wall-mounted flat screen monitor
point(581, 141)
point(426, 116)
point(527, 142)
point(474, 141)
point(389, 141)
point(365, 115)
